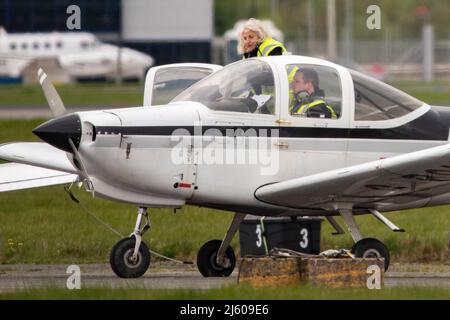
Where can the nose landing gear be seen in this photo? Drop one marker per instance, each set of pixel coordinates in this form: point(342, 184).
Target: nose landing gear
point(130, 257)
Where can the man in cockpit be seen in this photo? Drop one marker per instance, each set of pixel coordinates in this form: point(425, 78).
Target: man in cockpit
point(307, 98)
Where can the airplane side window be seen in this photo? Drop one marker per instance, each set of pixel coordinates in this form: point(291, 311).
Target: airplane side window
point(13, 46)
point(314, 91)
point(59, 44)
point(247, 86)
point(35, 45)
point(169, 82)
point(24, 45)
point(47, 45)
point(376, 101)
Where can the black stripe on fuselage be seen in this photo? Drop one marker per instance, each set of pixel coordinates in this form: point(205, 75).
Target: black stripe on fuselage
point(434, 125)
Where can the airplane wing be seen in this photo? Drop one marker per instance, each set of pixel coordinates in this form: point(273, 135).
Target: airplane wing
point(409, 180)
point(38, 165)
point(37, 154)
point(17, 176)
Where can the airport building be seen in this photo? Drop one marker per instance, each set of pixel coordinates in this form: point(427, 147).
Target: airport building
point(169, 30)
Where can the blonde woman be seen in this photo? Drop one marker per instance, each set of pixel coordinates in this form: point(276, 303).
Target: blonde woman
point(255, 41)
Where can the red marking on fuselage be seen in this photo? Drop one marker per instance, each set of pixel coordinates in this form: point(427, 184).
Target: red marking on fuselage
point(184, 185)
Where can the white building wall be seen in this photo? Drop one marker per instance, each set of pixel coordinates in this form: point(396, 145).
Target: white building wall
point(167, 20)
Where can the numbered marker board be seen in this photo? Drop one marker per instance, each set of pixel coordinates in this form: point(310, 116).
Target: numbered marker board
point(260, 236)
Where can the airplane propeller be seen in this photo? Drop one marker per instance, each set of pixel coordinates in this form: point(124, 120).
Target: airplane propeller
point(54, 100)
point(84, 174)
point(64, 132)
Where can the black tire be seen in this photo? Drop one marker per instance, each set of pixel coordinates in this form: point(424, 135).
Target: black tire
point(206, 260)
point(372, 248)
point(121, 263)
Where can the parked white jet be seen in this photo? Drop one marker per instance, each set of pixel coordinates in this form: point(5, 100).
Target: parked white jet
point(231, 142)
point(80, 53)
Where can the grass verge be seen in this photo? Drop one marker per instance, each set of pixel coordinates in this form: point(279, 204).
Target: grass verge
point(234, 292)
point(102, 95)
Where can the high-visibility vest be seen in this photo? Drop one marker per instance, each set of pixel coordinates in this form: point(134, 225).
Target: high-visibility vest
point(305, 107)
point(291, 71)
point(266, 47)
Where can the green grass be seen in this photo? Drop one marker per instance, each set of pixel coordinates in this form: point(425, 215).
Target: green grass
point(44, 226)
point(18, 130)
point(89, 94)
point(234, 292)
point(434, 93)
point(102, 95)
point(425, 239)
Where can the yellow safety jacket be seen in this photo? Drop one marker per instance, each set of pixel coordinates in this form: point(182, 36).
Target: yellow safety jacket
point(266, 47)
point(291, 71)
point(303, 109)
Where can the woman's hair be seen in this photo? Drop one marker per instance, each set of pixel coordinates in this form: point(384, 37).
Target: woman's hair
point(257, 27)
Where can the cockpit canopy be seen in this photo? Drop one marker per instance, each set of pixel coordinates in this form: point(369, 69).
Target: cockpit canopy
point(312, 90)
point(246, 86)
point(375, 100)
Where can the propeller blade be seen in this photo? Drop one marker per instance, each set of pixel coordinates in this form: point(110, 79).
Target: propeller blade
point(52, 96)
point(84, 174)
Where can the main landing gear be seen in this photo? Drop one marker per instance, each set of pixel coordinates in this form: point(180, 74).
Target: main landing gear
point(365, 247)
point(130, 257)
point(371, 248)
point(216, 258)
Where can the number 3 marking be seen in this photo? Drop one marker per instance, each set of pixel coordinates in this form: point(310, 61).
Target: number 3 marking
point(304, 242)
point(259, 233)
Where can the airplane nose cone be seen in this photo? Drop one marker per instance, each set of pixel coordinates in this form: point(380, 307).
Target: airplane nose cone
point(58, 131)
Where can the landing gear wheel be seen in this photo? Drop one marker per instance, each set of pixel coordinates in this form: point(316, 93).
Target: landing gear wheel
point(121, 259)
point(206, 260)
point(371, 248)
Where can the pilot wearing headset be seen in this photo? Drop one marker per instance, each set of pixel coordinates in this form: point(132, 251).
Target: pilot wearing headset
point(308, 100)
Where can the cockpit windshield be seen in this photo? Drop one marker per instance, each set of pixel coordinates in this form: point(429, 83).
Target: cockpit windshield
point(375, 100)
point(246, 86)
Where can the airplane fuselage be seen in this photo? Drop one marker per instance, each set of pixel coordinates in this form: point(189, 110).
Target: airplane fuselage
point(185, 153)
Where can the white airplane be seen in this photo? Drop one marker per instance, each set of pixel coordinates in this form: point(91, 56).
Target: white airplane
point(230, 142)
point(81, 54)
